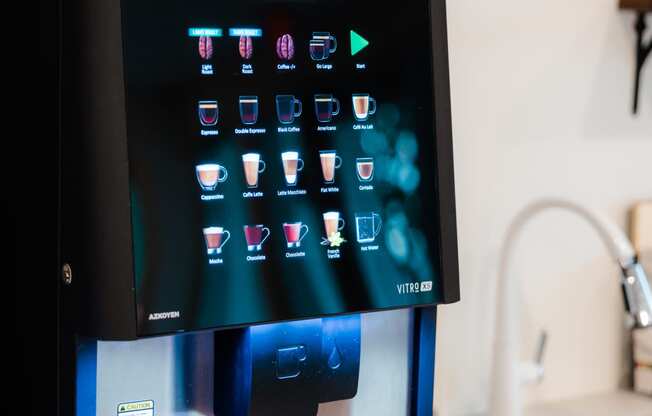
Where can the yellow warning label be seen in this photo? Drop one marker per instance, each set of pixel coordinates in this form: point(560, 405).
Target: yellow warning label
point(135, 406)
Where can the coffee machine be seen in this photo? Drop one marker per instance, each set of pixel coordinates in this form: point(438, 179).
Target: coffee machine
point(257, 207)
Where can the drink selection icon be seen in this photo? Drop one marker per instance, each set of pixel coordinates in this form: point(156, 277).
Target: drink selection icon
point(322, 45)
point(205, 47)
point(255, 236)
point(209, 175)
point(292, 165)
point(285, 47)
point(367, 225)
point(326, 106)
point(253, 165)
point(216, 238)
point(363, 106)
point(365, 168)
point(294, 233)
point(248, 109)
point(288, 107)
point(246, 47)
point(330, 161)
point(208, 112)
point(333, 224)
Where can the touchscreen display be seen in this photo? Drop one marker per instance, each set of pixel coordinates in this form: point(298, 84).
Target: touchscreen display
point(282, 159)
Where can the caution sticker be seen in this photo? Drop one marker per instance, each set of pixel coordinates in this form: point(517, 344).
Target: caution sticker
point(144, 408)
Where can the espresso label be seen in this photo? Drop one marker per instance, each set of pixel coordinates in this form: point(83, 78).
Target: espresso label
point(215, 261)
point(289, 129)
point(369, 248)
point(212, 197)
point(250, 130)
point(249, 194)
point(212, 132)
point(294, 254)
point(363, 127)
point(260, 257)
point(366, 187)
point(330, 189)
point(333, 253)
point(291, 192)
point(326, 128)
point(247, 69)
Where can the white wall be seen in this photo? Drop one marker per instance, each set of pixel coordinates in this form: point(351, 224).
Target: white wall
point(541, 96)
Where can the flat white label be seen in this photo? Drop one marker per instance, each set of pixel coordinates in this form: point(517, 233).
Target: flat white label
point(144, 408)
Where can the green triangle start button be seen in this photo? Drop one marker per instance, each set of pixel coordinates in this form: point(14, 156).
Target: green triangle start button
point(358, 43)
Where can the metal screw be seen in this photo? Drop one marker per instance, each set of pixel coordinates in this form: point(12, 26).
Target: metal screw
point(66, 274)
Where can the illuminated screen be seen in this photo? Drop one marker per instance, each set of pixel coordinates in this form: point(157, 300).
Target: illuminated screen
point(282, 159)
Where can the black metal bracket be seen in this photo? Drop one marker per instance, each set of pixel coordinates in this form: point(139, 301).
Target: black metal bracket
point(642, 52)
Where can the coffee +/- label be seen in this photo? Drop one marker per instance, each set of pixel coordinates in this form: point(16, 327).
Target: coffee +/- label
point(369, 248)
point(215, 261)
point(290, 129)
point(363, 127)
point(211, 132)
point(330, 189)
point(324, 67)
point(333, 253)
point(286, 67)
point(247, 69)
point(260, 257)
point(207, 69)
point(212, 197)
point(294, 254)
point(326, 128)
point(250, 130)
point(291, 192)
point(144, 408)
point(249, 194)
point(366, 187)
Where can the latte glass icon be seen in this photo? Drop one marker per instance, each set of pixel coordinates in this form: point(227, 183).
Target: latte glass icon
point(363, 106)
point(288, 107)
point(216, 238)
point(209, 175)
point(208, 113)
point(253, 165)
point(326, 106)
point(292, 165)
point(248, 109)
point(332, 223)
point(294, 233)
point(322, 45)
point(330, 161)
point(255, 236)
point(365, 168)
point(367, 226)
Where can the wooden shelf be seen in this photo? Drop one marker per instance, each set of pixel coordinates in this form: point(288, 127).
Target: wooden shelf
point(639, 5)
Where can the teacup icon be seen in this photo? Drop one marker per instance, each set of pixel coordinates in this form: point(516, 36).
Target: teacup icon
point(216, 238)
point(209, 175)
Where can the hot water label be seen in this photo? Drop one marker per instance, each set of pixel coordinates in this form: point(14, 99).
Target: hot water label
point(143, 408)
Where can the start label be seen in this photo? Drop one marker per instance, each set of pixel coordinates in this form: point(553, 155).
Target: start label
point(144, 408)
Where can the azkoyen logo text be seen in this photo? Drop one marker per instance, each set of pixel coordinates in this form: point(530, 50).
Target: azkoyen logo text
point(413, 288)
point(164, 315)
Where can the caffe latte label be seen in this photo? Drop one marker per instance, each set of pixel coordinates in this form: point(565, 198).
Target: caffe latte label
point(250, 194)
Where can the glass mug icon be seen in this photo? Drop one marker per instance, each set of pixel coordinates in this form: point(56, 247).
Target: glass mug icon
point(363, 106)
point(367, 225)
point(326, 106)
point(209, 175)
point(216, 238)
point(332, 223)
point(292, 165)
point(322, 45)
point(330, 161)
point(255, 236)
point(253, 165)
point(365, 168)
point(208, 113)
point(248, 109)
point(287, 108)
point(294, 233)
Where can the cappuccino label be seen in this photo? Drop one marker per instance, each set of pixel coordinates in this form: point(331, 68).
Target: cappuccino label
point(212, 197)
point(164, 315)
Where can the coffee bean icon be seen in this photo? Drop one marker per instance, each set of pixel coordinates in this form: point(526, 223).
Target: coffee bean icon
point(205, 47)
point(246, 47)
point(285, 47)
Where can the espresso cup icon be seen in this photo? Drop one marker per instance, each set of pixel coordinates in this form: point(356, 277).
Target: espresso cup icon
point(330, 161)
point(255, 236)
point(248, 109)
point(208, 113)
point(332, 223)
point(288, 107)
point(326, 106)
point(253, 165)
point(365, 168)
point(292, 165)
point(209, 175)
point(294, 233)
point(363, 106)
point(367, 226)
point(321, 45)
point(216, 238)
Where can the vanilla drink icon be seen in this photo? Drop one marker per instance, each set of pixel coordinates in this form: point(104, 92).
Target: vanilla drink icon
point(333, 224)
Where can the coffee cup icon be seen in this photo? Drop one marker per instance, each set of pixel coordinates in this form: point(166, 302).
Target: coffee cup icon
point(288, 107)
point(208, 113)
point(292, 165)
point(367, 226)
point(326, 106)
point(330, 161)
point(253, 165)
point(248, 109)
point(321, 45)
point(294, 233)
point(365, 168)
point(255, 236)
point(209, 175)
point(363, 106)
point(216, 238)
point(333, 223)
